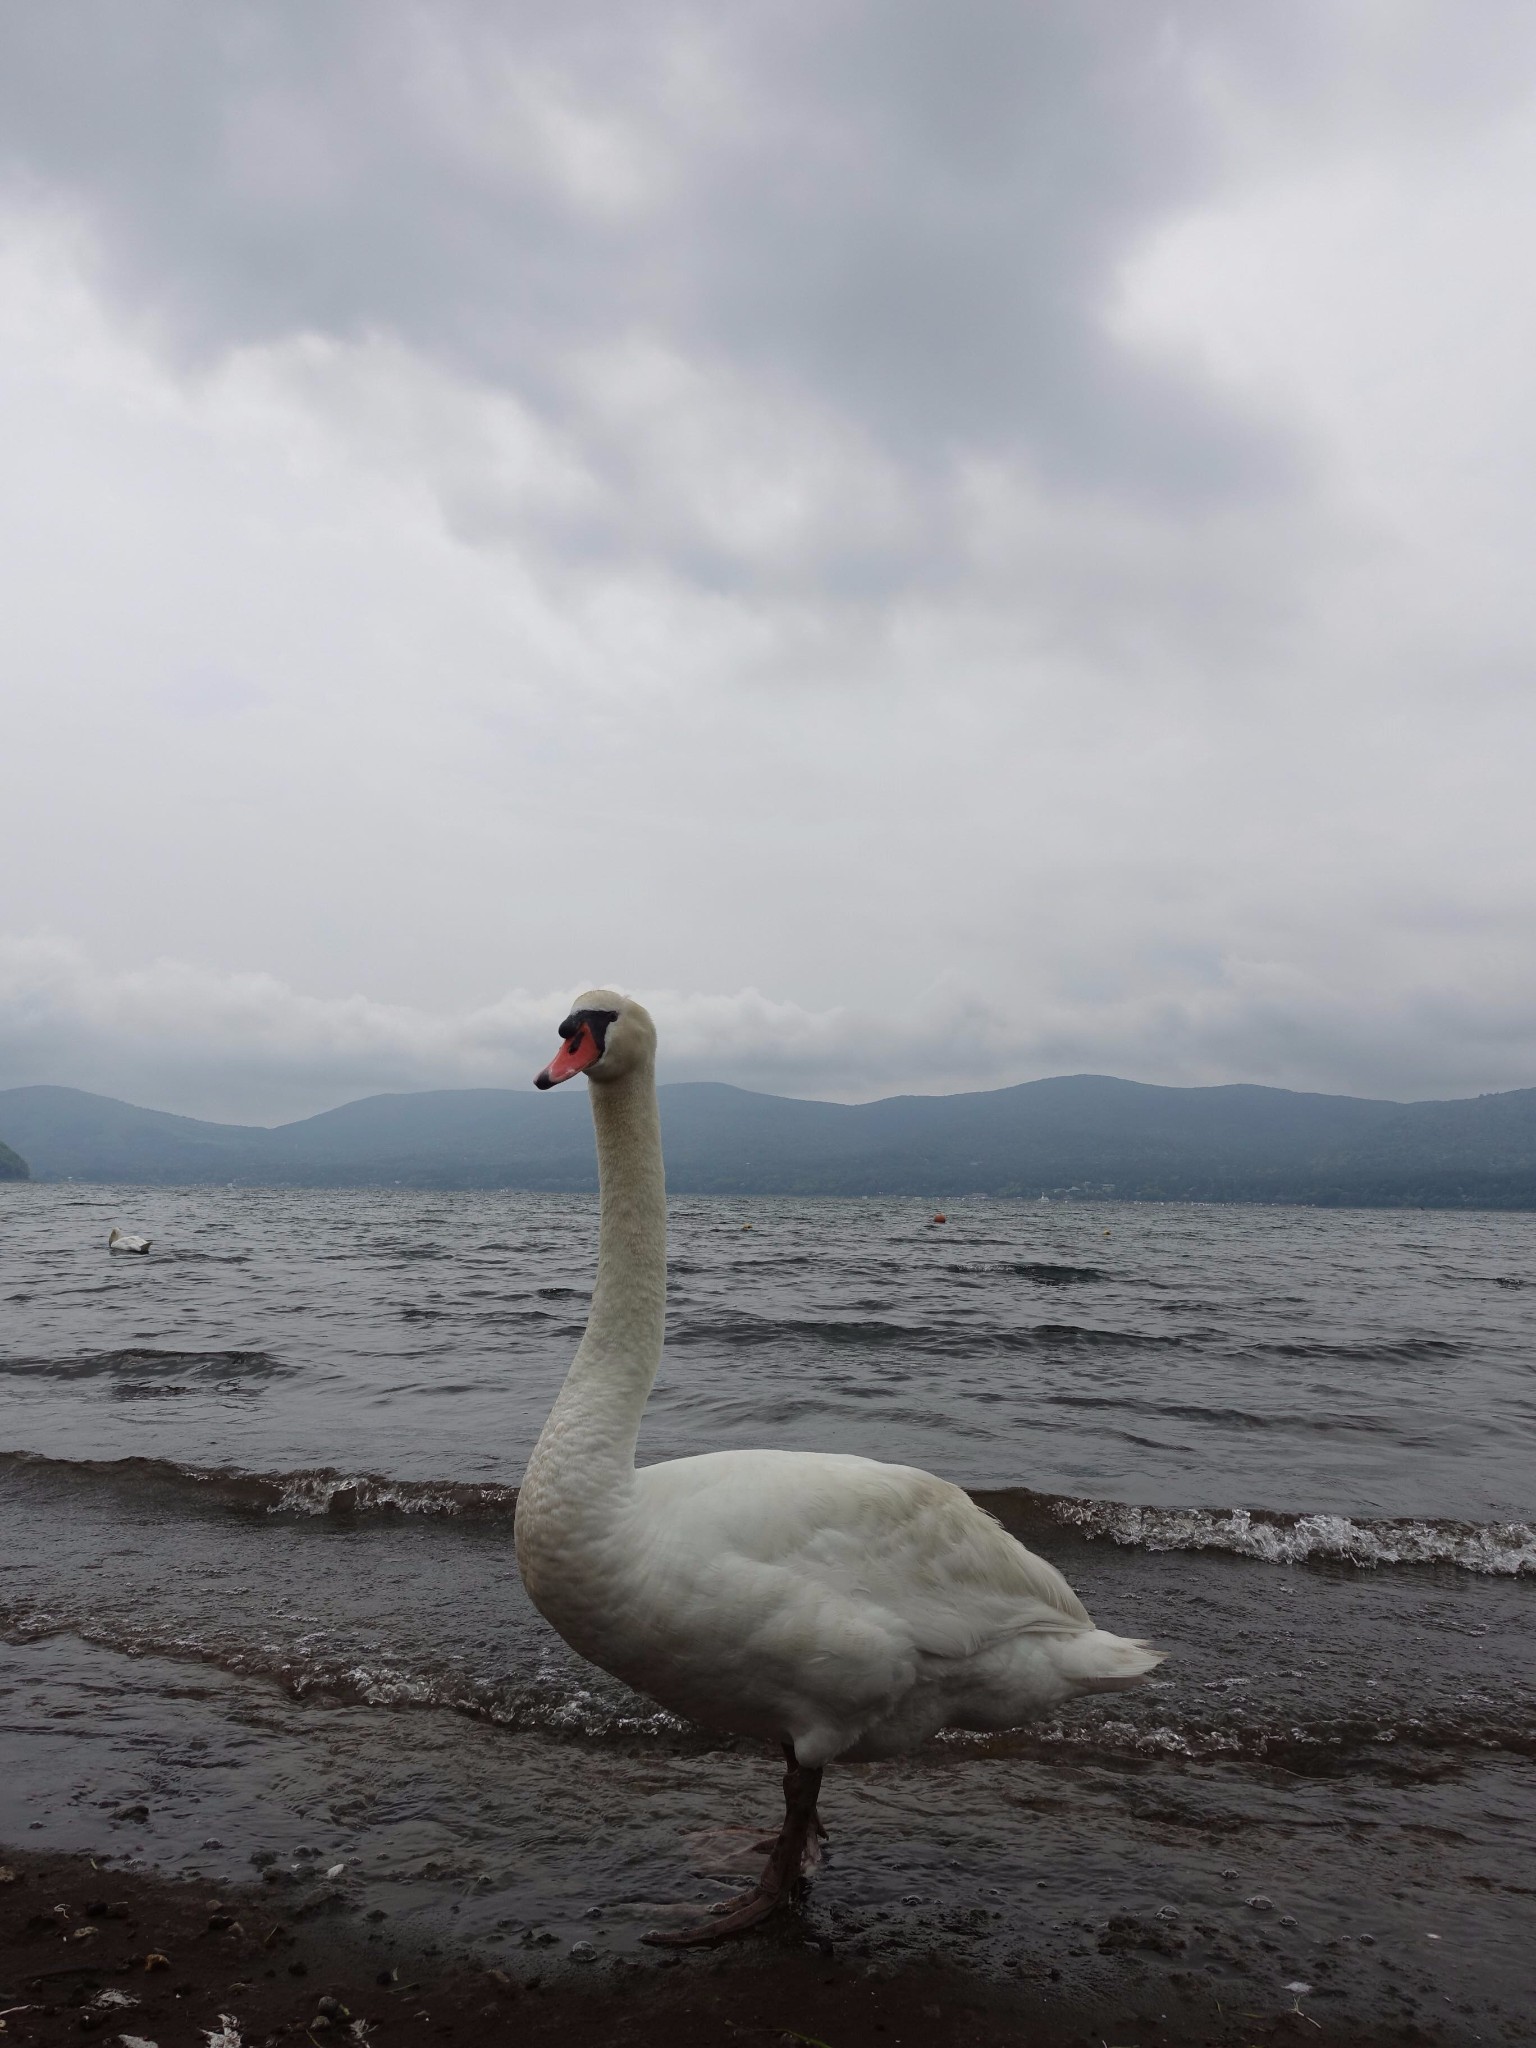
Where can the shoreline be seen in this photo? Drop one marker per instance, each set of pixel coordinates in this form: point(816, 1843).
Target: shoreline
point(170, 1961)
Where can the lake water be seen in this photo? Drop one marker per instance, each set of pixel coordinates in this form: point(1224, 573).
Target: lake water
point(256, 1569)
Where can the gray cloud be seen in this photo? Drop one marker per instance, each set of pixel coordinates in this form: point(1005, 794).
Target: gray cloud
point(1004, 514)
point(914, 216)
point(246, 1048)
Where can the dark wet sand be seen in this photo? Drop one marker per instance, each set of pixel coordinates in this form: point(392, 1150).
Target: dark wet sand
point(184, 1953)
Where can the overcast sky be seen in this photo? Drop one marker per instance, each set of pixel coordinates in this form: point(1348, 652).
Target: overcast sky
point(939, 545)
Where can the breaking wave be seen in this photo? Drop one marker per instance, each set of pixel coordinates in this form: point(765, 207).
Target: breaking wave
point(1499, 1549)
point(546, 1698)
point(551, 1695)
point(321, 1491)
point(1490, 1549)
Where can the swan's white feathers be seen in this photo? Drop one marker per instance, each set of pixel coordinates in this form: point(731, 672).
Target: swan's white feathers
point(856, 1606)
point(850, 1607)
point(887, 1535)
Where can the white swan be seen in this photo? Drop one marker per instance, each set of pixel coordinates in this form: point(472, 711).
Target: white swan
point(837, 1606)
point(122, 1241)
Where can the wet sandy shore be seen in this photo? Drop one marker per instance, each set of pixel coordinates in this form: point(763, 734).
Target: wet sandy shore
point(128, 1957)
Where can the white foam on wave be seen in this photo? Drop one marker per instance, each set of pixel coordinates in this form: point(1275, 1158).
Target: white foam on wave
point(547, 1699)
point(327, 1493)
point(1500, 1549)
point(1493, 1549)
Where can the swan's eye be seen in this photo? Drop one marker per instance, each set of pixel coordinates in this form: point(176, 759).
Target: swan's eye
point(595, 1021)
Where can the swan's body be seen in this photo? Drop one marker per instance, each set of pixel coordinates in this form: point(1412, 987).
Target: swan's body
point(839, 1606)
point(846, 1607)
point(123, 1241)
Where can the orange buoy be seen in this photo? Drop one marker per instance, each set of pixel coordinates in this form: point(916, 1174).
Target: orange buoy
point(941, 1219)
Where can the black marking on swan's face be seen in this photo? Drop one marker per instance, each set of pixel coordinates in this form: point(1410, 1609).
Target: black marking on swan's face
point(596, 1021)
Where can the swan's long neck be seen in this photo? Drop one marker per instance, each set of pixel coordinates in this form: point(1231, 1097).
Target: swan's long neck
point(585, 1457)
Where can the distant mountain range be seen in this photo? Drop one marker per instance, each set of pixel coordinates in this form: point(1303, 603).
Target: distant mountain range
point(1084, 1135)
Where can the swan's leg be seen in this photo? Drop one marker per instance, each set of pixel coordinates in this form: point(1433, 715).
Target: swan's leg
point(795, 1838)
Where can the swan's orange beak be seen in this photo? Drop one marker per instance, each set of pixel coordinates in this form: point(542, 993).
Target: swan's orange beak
point(574, 1057)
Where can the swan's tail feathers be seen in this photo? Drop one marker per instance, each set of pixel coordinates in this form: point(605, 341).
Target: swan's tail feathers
point(1096, 1661)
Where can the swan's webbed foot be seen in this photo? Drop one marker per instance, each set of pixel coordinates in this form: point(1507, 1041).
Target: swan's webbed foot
point(731, 1917)
point(795, 1847)
point(730, 1852)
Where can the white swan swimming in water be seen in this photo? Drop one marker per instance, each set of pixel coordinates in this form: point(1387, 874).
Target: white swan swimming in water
point(122, 1241)
point(834, 1605)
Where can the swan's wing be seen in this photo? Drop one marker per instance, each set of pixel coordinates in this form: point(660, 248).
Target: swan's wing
point(871, 1539)
point(959, 1581)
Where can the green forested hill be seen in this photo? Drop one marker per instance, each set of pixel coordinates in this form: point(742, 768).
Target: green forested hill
point(1085, 1135)
point(12, 1165)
